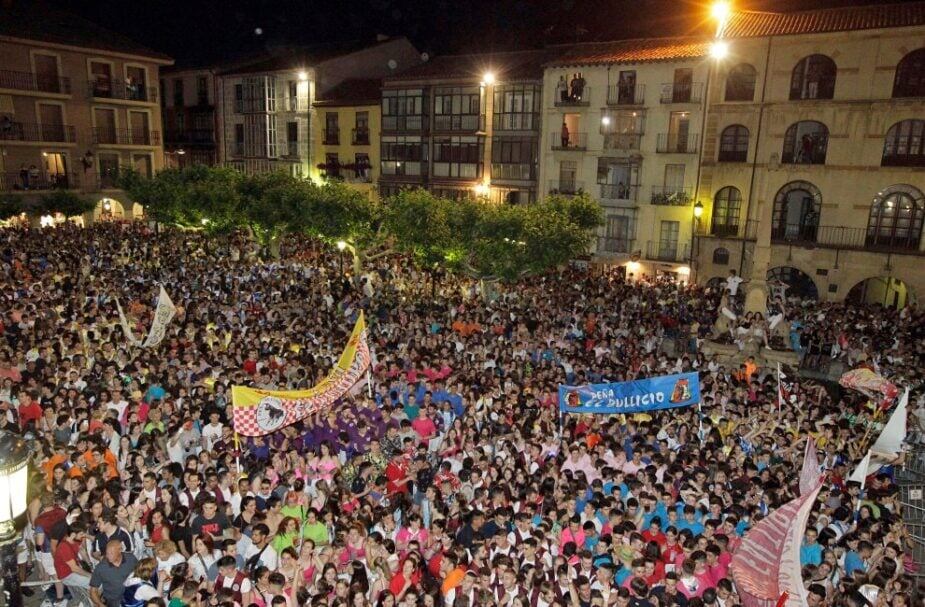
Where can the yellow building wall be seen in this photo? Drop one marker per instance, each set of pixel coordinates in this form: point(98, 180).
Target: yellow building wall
point(345, 149)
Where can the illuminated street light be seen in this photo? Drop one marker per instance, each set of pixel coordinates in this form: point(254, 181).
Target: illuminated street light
point(482, 189)
point(605, 120)
point(488, 78)
point(720, 11)
point(341, 245)
point(303, 76)
point(719, 49)
point(698, 209)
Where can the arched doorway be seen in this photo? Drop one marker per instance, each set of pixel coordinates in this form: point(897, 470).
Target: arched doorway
point(795, 282)
point(796, 212)
point(884, 290)
point(108, 209)
point(717, 283)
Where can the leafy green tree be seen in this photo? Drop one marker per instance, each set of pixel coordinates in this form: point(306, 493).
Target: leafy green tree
point(66, 202)
point(10, 206)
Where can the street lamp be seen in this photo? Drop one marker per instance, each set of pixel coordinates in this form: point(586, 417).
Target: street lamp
point(341, 245)
point(695, 220)
point(14, 476)
point(488, 78)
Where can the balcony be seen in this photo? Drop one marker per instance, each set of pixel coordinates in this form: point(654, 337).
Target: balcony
point(894, 159)
point(568, 187)
point(619, 191)
point(398, 169)
point(671, 196)
point(27, 131)
point(360, 135)
point(620, 95)
point(296, 104)
point(515, 121)
point(609, 244)
point(37, 181)
point(108, 88)
point(566, 97)
point(622, 141)
point(838, 237)
point(513, 171)
point(670, 251)
point(724, 230)
point(672, 143)
point(732, 155)
point(29, 81)
point(471, 123)
point(331, 136)
point(110, 136)
point(572, 142)
point(237, 148)
point(681, 92)
point(413, 123)
point(191, 137)
point(290, 149)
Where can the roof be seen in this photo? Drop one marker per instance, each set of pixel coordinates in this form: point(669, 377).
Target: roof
point(42, 22)
point(354, 91)
point(748, 24)
point(293, 58)
point(517, 65)
point(632, 51)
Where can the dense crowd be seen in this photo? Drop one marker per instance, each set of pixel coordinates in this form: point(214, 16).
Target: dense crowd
point(454, 482)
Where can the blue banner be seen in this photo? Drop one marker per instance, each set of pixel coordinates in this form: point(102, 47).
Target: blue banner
point(652, 394)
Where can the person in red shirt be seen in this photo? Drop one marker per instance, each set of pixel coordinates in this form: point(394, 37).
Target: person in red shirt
point(424, 426)
point(67, 565)
point(29, 409)
point(399, 474)
point(654, 533)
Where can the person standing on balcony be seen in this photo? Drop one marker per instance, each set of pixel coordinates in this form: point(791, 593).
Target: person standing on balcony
point(24, 176)
point(562, 89)
point(565, 134)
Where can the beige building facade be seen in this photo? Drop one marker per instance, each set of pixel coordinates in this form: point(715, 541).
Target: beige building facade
point(76, 108)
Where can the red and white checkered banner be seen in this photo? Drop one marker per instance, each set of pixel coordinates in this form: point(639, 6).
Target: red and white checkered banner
point(260, 412)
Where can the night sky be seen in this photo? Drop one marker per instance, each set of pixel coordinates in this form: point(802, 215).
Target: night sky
point(198, 32)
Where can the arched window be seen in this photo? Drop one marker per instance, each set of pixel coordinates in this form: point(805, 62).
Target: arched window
point(796, 212)
point(910, 75)
point(805, 143)
point(726, 206)
point(740, 83)
point(895, 219)
point(733, 144)
point(813, 78)
point(904, 144)
point(721, 256)
point(798, 283)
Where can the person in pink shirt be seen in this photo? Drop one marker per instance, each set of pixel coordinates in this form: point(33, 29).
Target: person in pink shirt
point(577, 462)
point(572, 533)
point(413, 532)
point(424, 426)
point(702, 571)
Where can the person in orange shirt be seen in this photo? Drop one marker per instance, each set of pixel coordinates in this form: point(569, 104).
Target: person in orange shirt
point(453, 573)
point(59, 457)
point(751, 367)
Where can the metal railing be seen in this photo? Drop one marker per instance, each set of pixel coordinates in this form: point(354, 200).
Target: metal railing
point(902, 160)
point(331, 136)
point(200, 136)
point(724, 230)
point(610, 244)
point(565, 187)
point(732, 155)
point(27, 131)
point(33, 179)
point(30, 81)
point(571, 141)
point(515, 121)
point(837, 237)
point(291, 149)
point(110, 136)
point(111, 88)
point(672, 143)
point(566, 97)
point(237, 148)
point(626, 95)
point(459, 122)
point(404, 123)
point(668, 251)
point(677, 92)
point(296, 104)
point(360, 136)
point(402, 168)
point(622, 141)
point(797, 156)
point(619, 191)
point(518, 172)
point(671, 196)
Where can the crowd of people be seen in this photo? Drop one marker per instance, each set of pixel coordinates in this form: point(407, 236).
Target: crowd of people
point(452, 480)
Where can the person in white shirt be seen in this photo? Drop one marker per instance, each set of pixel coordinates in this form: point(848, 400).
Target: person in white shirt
point(733, 282)
point(212, 432)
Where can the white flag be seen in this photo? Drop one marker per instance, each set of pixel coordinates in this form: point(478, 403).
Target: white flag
point(163, 314)
point(860, 473)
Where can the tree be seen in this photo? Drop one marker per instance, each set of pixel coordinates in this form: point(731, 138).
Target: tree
point(66, 202)
point(10, 206)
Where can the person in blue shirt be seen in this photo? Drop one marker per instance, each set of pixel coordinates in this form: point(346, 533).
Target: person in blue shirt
point(810, 550)
point(856, 560)
point(690, 521)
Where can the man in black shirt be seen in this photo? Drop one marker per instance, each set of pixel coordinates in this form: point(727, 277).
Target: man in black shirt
point(210, 521)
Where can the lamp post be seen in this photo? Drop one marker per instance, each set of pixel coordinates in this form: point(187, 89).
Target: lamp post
point(695, 220)
point(14, 476)
point(341, 245)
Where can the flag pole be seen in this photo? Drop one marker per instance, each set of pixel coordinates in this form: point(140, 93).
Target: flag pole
point(780, 396)
point(369, 382)
point(237, 451)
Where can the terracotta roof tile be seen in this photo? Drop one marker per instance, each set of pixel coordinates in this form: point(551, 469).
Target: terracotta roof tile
point(632, 51)
point(745, 24)
point(517, 65)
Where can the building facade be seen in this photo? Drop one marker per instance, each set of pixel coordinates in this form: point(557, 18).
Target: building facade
point(348, 119)
point(814, 162)
point(188, 110)
point(464, 126)
point(77, 105)
point(623, 122)
point(266, 107)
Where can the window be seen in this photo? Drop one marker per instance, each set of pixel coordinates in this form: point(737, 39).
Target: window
point(740, 83)
point(202, 90)
point(181, 122)
point(402, 109)
point(805, 143)
point(178, 92)
point(362, 167)
point(403, 156)
point(721, 256)
point(516, 108)
point(813, 78)
point(513, 158)
point(904, 144)
point(619, 232)
point(683, 85)
point(331, 129)
point(568, 174)
point(895, 219)
point(622, 129)
point(331, 165)
point(626, 89)
point(618, 178)
point(458, 157)
point(668, 240)
point(457, 109)
point(361, 129)
point(292, 138)
point(238, 144)
point(910, 75)
point(239, 98)
point(733, 144)
point(796, 212)
point(726, 206)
